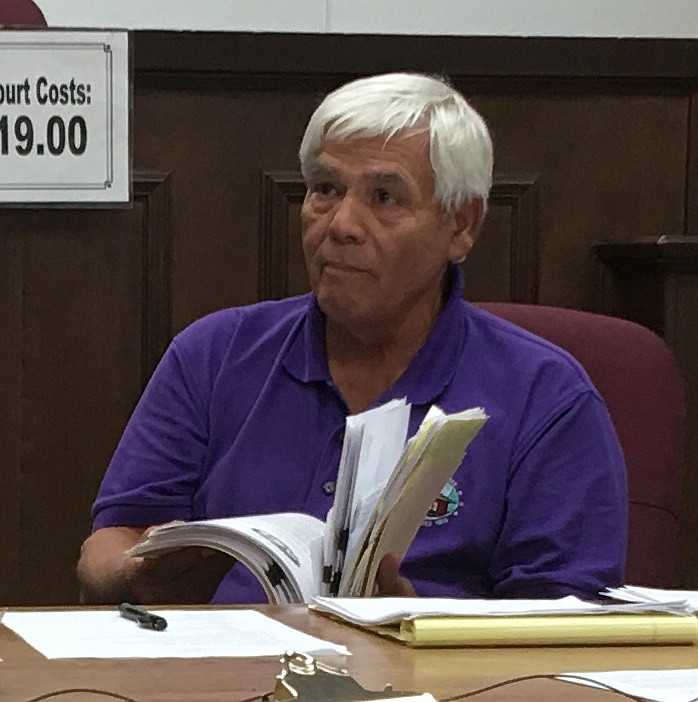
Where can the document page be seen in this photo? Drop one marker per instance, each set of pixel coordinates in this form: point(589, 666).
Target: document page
point(428, 462)
point(434, 467)
point(635, 593)
point(338, 520)
point(659, 685)
point(385, 434)
point(189, 634)
point(373, 443)
point(387, 610)
point(293, 541)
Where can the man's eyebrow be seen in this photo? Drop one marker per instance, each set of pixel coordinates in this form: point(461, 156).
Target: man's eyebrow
point(385, 178)
point(319, 170)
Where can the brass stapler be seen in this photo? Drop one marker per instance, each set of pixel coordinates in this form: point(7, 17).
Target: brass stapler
point(305, 679)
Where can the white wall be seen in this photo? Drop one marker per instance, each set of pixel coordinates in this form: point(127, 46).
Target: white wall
point(588, 18)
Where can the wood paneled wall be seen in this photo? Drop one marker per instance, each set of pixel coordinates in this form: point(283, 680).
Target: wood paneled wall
point(594, 141)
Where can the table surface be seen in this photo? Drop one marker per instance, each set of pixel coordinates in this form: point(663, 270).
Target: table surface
point(24, 673)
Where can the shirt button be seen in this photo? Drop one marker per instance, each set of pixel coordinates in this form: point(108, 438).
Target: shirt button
point(328, 487)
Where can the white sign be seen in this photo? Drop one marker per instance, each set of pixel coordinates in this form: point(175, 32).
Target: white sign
point(64, 117)
point(588, 18)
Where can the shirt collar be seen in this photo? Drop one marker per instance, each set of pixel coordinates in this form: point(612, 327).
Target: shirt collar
point(430, 370)
point(305, 357)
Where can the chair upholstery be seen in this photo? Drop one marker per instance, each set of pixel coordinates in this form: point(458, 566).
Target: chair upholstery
point(635, 373)
point(20, 13)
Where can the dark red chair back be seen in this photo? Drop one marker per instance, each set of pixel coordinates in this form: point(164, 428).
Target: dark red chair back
point(637, 376)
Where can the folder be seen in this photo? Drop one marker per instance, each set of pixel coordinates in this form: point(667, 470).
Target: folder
point(546, 630)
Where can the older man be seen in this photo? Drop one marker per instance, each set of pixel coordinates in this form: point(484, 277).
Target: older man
point(245, 413)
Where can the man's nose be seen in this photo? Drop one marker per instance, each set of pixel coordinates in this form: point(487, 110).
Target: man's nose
point(348, 220)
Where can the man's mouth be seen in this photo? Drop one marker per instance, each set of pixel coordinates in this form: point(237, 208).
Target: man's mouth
point(342, 267)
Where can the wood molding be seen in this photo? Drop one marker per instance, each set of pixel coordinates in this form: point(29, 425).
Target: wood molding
point(691, 216)
point(668, 254)
point(152, 190)
point(281, 58)
point(521, 193)
point(639, 276)
point(280, 190)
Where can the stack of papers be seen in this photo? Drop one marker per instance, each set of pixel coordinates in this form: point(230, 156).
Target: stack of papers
point(424, 622)
point(652, 595)
point(384, 489)
point(391, 610)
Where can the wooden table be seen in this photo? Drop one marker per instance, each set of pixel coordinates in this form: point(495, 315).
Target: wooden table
point(24, 673)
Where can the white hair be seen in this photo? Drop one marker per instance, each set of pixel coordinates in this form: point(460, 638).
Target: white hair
point(460, 147)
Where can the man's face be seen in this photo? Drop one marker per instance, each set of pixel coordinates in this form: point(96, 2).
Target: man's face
point(375, 242)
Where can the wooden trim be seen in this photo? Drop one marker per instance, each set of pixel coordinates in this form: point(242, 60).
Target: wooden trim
point(278, 191)
point(691, 217)
point(289, 55)
point(675, 254)
point(12, 324)
point(521, 193)
point(152, 190)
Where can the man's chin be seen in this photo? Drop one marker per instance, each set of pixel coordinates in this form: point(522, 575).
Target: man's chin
point(342, 310)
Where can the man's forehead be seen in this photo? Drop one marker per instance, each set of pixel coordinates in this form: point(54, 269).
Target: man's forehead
point(321, 168)
point(415, 141)
point(375, 158)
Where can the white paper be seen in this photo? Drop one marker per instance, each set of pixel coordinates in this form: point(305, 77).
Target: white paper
point(634, 593)
point(659, 685)
point(384, 437)
point(386, 610)
point(292, 541)
point(189, 634)
point(373, 442)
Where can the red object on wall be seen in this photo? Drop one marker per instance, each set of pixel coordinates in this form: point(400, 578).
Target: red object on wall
point(21, 13)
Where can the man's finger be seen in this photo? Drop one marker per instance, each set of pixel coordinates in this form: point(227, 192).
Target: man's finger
point(389, 582)
point(170, 565)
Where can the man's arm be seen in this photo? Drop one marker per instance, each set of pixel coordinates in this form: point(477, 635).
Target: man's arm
point(108, 576)
point(101, 565)
point(565, 530)
point(166, 438)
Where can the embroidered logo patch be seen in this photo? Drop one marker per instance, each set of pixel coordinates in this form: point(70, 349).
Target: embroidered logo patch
point(445, 505)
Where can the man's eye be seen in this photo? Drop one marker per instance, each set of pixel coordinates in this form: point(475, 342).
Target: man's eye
point(324, 189)
point(384, 197)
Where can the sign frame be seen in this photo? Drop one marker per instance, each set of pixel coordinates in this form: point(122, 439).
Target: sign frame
point(50, 169)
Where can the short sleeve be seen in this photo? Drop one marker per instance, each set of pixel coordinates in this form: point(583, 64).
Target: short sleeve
point(156, 468)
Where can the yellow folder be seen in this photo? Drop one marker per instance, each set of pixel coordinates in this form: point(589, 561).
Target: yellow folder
point(548, 630)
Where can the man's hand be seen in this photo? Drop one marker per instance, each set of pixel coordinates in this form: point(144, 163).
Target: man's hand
point(183, 576)
point(389, 582)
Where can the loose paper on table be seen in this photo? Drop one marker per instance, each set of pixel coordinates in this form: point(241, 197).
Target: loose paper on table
point(189, 634)
point(658, 685)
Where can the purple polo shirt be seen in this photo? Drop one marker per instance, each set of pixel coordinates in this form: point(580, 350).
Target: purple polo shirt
point(241, 417)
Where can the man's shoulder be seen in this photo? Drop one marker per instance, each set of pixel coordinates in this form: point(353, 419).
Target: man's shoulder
point(519, 351)
point(243, 323)
point(525, 382)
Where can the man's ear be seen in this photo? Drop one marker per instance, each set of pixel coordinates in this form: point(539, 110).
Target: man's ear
point(467, 221)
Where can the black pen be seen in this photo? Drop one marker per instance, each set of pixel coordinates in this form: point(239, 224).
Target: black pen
point(144, 618)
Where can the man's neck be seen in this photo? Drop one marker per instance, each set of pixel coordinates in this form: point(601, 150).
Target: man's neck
point(366, 360)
